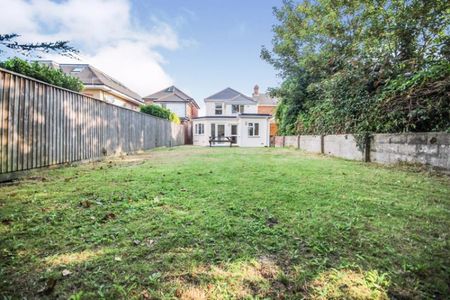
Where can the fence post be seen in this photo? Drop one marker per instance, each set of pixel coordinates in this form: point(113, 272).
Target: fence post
point(298, 142)
point(367, 148)
point(284, 141)
point(322, 144)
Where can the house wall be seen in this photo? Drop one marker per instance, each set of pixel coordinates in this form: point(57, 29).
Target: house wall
point(192, 111)
point(110, 98)
point(178, 108)
point(246, 141)
point(266, 109)
point(243, 140)
point(211, 109)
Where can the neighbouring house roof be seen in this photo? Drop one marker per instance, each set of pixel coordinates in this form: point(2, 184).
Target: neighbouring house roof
point(265, 99)
point(171, 94)
point(90, 75)
point(231, 95)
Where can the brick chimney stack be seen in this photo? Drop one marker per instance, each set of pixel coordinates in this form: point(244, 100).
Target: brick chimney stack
point(256, 90)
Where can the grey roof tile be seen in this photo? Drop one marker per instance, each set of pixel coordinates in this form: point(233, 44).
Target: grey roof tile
point(92, 76)
point(172, 93)
point(265, 99)
point(229, 94)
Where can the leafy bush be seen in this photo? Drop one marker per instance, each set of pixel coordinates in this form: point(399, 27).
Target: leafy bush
point(43, 73)
point(361, 66)
point(160, 112)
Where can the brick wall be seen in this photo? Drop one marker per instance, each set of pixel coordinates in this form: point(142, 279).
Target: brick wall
point(266, 109)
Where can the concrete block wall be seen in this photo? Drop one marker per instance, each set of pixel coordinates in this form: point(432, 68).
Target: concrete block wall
point(429, 148)
point(342, 145)
point(279, 141)
point(311, 143)
point(291, 141)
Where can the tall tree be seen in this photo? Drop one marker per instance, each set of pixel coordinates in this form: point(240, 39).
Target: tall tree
point(352, 51)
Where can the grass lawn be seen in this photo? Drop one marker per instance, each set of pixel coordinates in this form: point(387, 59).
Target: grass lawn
point(221, 223)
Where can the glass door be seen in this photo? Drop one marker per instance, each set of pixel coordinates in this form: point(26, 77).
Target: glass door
point(221, 131)
point(213, 131)
point(234, 130)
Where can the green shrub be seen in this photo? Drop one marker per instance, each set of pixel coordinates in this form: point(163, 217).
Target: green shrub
point(160, 112)
point(43, 73)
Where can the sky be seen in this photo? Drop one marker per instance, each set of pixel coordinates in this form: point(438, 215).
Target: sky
point(201, 46)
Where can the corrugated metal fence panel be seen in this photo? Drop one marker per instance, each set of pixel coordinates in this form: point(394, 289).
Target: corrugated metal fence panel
point(43, 125)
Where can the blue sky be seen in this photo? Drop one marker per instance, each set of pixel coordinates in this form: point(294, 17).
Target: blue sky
point(201, 46)
point(226, 39)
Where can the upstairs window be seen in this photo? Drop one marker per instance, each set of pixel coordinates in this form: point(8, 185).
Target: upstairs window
point(253, 129)
point(236, 108)
point(219, 109)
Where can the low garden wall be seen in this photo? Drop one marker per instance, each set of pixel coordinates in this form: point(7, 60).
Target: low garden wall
point(428, 148)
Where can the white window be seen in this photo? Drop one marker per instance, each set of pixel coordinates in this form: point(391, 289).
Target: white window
point(219, 108)
point(236, 108)
point(253, 129)
point(199, 129)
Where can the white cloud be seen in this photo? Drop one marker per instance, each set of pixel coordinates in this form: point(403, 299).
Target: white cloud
point(105, 33)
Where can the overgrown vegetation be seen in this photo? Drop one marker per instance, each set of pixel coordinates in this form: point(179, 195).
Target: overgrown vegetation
point(198, 223)
point(43, 73)
point(362, 66)
point(161, 112)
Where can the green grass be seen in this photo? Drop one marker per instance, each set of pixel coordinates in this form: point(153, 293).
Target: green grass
point(197, 223)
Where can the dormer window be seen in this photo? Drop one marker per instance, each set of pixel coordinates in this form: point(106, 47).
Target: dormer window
point(77, 69)
point(219, 109)
point(236, 108)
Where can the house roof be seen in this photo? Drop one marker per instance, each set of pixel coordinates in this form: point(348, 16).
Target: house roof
point(171, 94)
point(265, 99)
point(230, 95)
point(92, 76)
point(235, 117)
point(255, 115)
point(215, 117)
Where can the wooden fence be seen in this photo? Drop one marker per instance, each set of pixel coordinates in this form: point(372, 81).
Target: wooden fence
point(44, 125)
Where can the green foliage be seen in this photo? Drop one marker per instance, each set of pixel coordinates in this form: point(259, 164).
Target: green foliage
point(43, 73)
point(366, 66)
point(160, 112)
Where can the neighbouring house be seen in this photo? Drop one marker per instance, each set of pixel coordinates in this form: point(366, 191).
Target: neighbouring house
point(232, 115)
point(100, 85)
point(266, 105)
point(176, 101)
point(179, 103)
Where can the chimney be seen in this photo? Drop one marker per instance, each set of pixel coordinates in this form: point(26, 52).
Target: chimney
point(256, 90)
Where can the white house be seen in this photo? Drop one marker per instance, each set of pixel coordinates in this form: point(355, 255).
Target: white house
point(232, 115)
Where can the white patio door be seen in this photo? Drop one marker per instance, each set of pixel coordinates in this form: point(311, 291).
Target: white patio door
point(217, 131)
point(221, 131)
